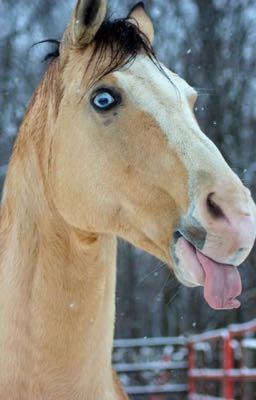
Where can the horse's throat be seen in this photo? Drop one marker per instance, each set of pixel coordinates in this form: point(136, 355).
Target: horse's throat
point(57, 308)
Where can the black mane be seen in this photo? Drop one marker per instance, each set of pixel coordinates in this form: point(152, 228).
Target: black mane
point(124, 40)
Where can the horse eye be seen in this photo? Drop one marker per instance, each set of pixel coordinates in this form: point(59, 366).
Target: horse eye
point(104, 100)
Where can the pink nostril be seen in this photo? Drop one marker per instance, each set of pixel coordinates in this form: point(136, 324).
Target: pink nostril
point(213, 208)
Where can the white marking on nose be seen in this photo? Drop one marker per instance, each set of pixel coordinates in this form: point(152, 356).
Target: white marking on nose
point(169, 102)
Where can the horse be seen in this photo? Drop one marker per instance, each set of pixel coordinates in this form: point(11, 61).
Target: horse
point(109, 147)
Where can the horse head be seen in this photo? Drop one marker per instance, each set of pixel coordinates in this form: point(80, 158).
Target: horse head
point(127, 156)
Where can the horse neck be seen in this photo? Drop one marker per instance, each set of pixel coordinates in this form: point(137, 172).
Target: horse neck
point(56, 292)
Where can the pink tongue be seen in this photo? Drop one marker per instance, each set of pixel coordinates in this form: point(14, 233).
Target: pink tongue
point(222, 284)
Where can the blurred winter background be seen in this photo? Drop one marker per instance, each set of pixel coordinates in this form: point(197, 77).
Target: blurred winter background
point(212, 45)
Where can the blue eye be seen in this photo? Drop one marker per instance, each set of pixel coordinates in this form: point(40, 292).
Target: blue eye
point(104, 100)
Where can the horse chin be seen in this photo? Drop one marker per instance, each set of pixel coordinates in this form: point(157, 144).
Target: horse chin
point(186, 265)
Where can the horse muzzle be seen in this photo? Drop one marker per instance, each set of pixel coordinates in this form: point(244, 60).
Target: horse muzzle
point(212, 240)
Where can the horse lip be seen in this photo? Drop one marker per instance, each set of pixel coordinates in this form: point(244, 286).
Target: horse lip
point(178, 234)
point(181, 272)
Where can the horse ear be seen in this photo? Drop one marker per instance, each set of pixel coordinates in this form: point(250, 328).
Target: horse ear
point(139, 15)
point(87, 19)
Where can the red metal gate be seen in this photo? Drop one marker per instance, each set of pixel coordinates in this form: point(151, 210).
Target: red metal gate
point(235, 350)
point(233, 369)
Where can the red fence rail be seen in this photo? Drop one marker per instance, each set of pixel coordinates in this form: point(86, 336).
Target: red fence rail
point(234, 345)
point(233, 369)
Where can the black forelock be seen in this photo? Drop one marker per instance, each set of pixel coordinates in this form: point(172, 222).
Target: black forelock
point(121, 40)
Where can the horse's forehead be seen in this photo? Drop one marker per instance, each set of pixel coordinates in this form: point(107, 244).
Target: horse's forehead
point(144, 74)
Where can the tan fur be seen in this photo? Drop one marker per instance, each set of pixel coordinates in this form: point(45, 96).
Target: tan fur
point(57, 281)
point(77, 180)
point(78, 34)
point(143, 21)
